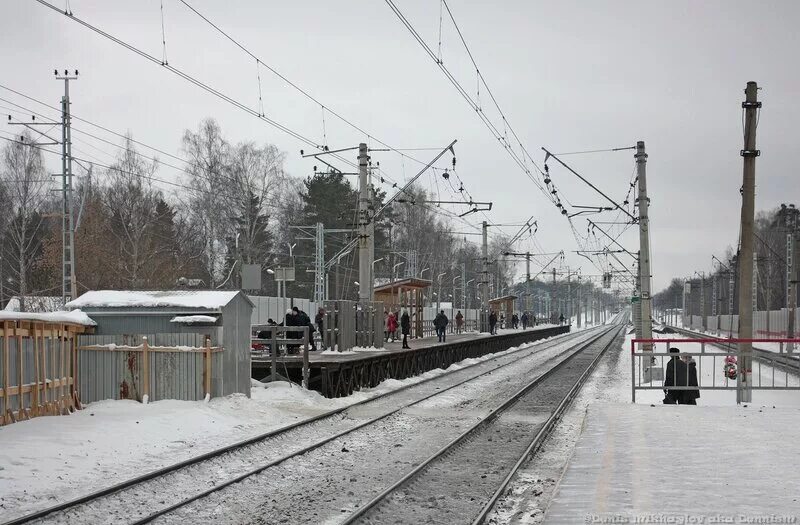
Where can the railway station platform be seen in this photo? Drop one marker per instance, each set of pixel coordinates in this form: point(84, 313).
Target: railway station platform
point(337, 375)
point(682, 464)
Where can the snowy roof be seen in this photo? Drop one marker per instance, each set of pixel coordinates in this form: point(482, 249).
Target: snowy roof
point(206, 299)
point(35, 303)
point(73, 317)
point(191, 319)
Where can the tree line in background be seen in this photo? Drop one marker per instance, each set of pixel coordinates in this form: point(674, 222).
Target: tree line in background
point(234, 205)
point(770, 230)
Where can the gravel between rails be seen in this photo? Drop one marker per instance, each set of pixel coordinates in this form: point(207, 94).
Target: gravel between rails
point(326, 484)
point(455, 487)
point(139, 501)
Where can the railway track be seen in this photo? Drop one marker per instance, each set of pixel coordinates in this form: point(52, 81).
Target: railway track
point(145, 498)
point(461, 482)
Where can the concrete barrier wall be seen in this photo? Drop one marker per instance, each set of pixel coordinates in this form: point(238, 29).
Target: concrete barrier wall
point(766, 325)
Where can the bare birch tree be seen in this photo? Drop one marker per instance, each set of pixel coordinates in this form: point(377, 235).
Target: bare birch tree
point(132, 202)
point(26, 186)
point(209, 155)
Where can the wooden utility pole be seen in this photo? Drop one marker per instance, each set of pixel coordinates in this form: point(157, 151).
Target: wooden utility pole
point(745, 259)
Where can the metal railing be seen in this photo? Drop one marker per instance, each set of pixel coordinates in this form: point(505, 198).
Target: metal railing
point(278, 339)
point(650, 370)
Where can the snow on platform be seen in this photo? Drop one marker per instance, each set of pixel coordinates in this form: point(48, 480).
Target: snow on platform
point(665, 462)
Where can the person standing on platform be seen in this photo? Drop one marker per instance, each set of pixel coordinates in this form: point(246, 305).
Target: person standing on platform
point(440, 323)
point(385, 325)
point(319, 319)
point(302, 319)
point(492, 323)
point(690, 397)
point(676, 375)
point(561, 319)
point(459, 321)
point(405, 327)
point(524, 320)
point(391, 325)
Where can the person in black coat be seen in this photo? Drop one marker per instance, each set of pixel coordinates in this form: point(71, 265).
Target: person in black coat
point(492, 323)
point(302, 319)
point(405, 328)
point(440, 323)
point(676, 375)
point(690, 397)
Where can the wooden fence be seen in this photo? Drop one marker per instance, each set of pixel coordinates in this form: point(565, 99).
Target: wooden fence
point(148, 373)
point(38, 369)
point(348, 324)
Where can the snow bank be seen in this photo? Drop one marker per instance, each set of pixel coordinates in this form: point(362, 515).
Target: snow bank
point(211, 300)
point(73, 317)
point(191, 319)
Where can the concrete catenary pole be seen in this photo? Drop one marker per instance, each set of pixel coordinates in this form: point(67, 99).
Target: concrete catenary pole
point(364, 264)
point(645, 301)
point(484, 316)
point(578, 310)
point(69, 289)
point(745, 259)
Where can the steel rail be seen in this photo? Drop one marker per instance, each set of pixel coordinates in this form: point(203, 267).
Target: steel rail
point(492, 416)
point(96, 495)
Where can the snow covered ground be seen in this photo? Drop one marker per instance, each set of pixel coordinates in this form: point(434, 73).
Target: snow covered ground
point(692, 464)
point(47, 460)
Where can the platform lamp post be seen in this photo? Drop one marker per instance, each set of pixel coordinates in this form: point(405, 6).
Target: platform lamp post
point(457, 277)
point(439, 295)
point(465, 296)
point(394, 279)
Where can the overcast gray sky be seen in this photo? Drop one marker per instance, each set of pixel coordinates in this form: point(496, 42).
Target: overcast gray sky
point(569, 76)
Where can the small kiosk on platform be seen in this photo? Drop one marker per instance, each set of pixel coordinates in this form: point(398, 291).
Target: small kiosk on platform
point(405, 293)
point(503, 305)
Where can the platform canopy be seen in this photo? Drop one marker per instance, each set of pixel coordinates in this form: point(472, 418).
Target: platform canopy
point(405, 293)
point(504, 303)
point(410, 283)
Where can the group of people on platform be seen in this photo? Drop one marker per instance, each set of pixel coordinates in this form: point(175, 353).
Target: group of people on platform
point(393, 320)
point(295, 317)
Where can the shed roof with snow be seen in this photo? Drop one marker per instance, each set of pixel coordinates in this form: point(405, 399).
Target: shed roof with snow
point(199, 299)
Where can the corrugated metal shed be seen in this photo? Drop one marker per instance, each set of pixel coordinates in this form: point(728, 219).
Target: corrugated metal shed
point(123, 317)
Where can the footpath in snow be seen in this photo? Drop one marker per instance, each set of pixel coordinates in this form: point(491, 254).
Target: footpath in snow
point(682, 464)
